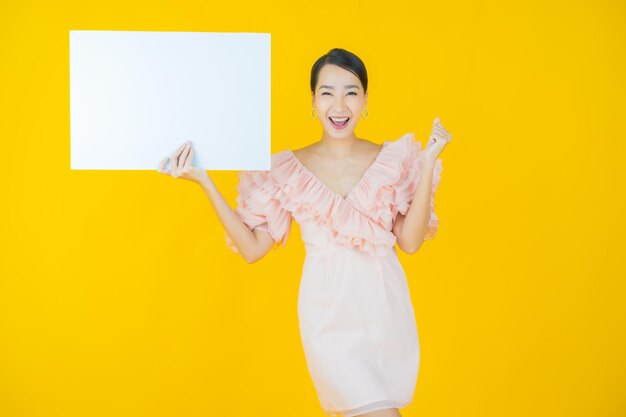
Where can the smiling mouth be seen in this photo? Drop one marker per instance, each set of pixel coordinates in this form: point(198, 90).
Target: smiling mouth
point(340, 121)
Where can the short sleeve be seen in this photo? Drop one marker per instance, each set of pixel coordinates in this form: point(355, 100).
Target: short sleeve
point(259, 207)
point(406, 186)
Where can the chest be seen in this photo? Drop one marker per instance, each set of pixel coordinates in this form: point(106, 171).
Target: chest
point(340, 176)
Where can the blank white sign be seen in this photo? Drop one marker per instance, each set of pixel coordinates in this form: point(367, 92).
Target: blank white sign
point(135, 97)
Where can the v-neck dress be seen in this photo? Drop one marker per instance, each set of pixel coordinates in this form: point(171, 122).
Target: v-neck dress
point(356, 319)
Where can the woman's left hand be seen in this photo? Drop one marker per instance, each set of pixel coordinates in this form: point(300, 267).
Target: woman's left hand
point(438, 140)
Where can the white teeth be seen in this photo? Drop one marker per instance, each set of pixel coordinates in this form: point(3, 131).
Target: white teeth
point(339, 120)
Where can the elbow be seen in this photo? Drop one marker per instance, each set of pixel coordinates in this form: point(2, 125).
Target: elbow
point(246, 257)
point(412, 244)
point(415, 246)
point(410, 248)
point(413, 249)
point(252, 258)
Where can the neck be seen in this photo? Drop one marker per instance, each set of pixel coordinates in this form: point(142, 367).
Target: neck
point(338, 146)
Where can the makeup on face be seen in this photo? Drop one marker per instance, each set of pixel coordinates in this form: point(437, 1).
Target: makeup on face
point(339, 122)
point(339, 98)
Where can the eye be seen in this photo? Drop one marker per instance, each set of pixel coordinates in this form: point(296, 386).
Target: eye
point(351, 92)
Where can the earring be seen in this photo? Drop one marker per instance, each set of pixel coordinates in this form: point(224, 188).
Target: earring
point(313, 116)
point(366, 112)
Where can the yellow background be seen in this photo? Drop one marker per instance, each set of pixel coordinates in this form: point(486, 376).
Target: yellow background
point(118, 296)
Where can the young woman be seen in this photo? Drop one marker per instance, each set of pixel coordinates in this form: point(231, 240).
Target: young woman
point(354, 200)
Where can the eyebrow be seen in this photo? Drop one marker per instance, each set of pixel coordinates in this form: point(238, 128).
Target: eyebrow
point(332, 88)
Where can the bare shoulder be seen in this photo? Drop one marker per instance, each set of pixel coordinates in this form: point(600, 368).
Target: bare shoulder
point(304, 151)
point(371, 147)
point(368, 151)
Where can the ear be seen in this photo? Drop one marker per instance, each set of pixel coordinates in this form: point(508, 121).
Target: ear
point(313, 99)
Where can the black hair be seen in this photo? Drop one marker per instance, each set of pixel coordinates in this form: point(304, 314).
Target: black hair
point(346, 60)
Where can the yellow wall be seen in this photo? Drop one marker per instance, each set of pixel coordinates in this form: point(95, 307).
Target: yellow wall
point(118, 296)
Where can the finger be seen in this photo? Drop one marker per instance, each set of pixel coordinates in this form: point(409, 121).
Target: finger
point(441, 131)
point(440, 127)
point(439, 135)
point(162, 165)
point(189, 158)
point(445, 134)
point(437, 125)
point(183, 158)
point(175, 160)
point(438, 130)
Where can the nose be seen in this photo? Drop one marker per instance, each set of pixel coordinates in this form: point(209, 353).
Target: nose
point(338, 104)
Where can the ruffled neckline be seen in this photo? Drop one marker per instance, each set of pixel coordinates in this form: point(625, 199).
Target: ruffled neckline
point(306, 171)
point(364, 218)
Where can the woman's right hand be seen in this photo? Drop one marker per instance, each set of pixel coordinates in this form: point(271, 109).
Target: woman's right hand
point(181, 165)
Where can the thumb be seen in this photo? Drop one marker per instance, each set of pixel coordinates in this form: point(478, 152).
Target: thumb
point(436, 121)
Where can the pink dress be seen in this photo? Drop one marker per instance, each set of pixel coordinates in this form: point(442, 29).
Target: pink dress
point(356, 318)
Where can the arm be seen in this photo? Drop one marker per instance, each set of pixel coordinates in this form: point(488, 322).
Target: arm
point(411, 228)
point(251, 244)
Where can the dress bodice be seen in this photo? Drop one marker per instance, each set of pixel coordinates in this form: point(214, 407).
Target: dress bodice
point(363, 220)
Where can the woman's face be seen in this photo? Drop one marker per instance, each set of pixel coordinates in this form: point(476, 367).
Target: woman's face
point(338, 94)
